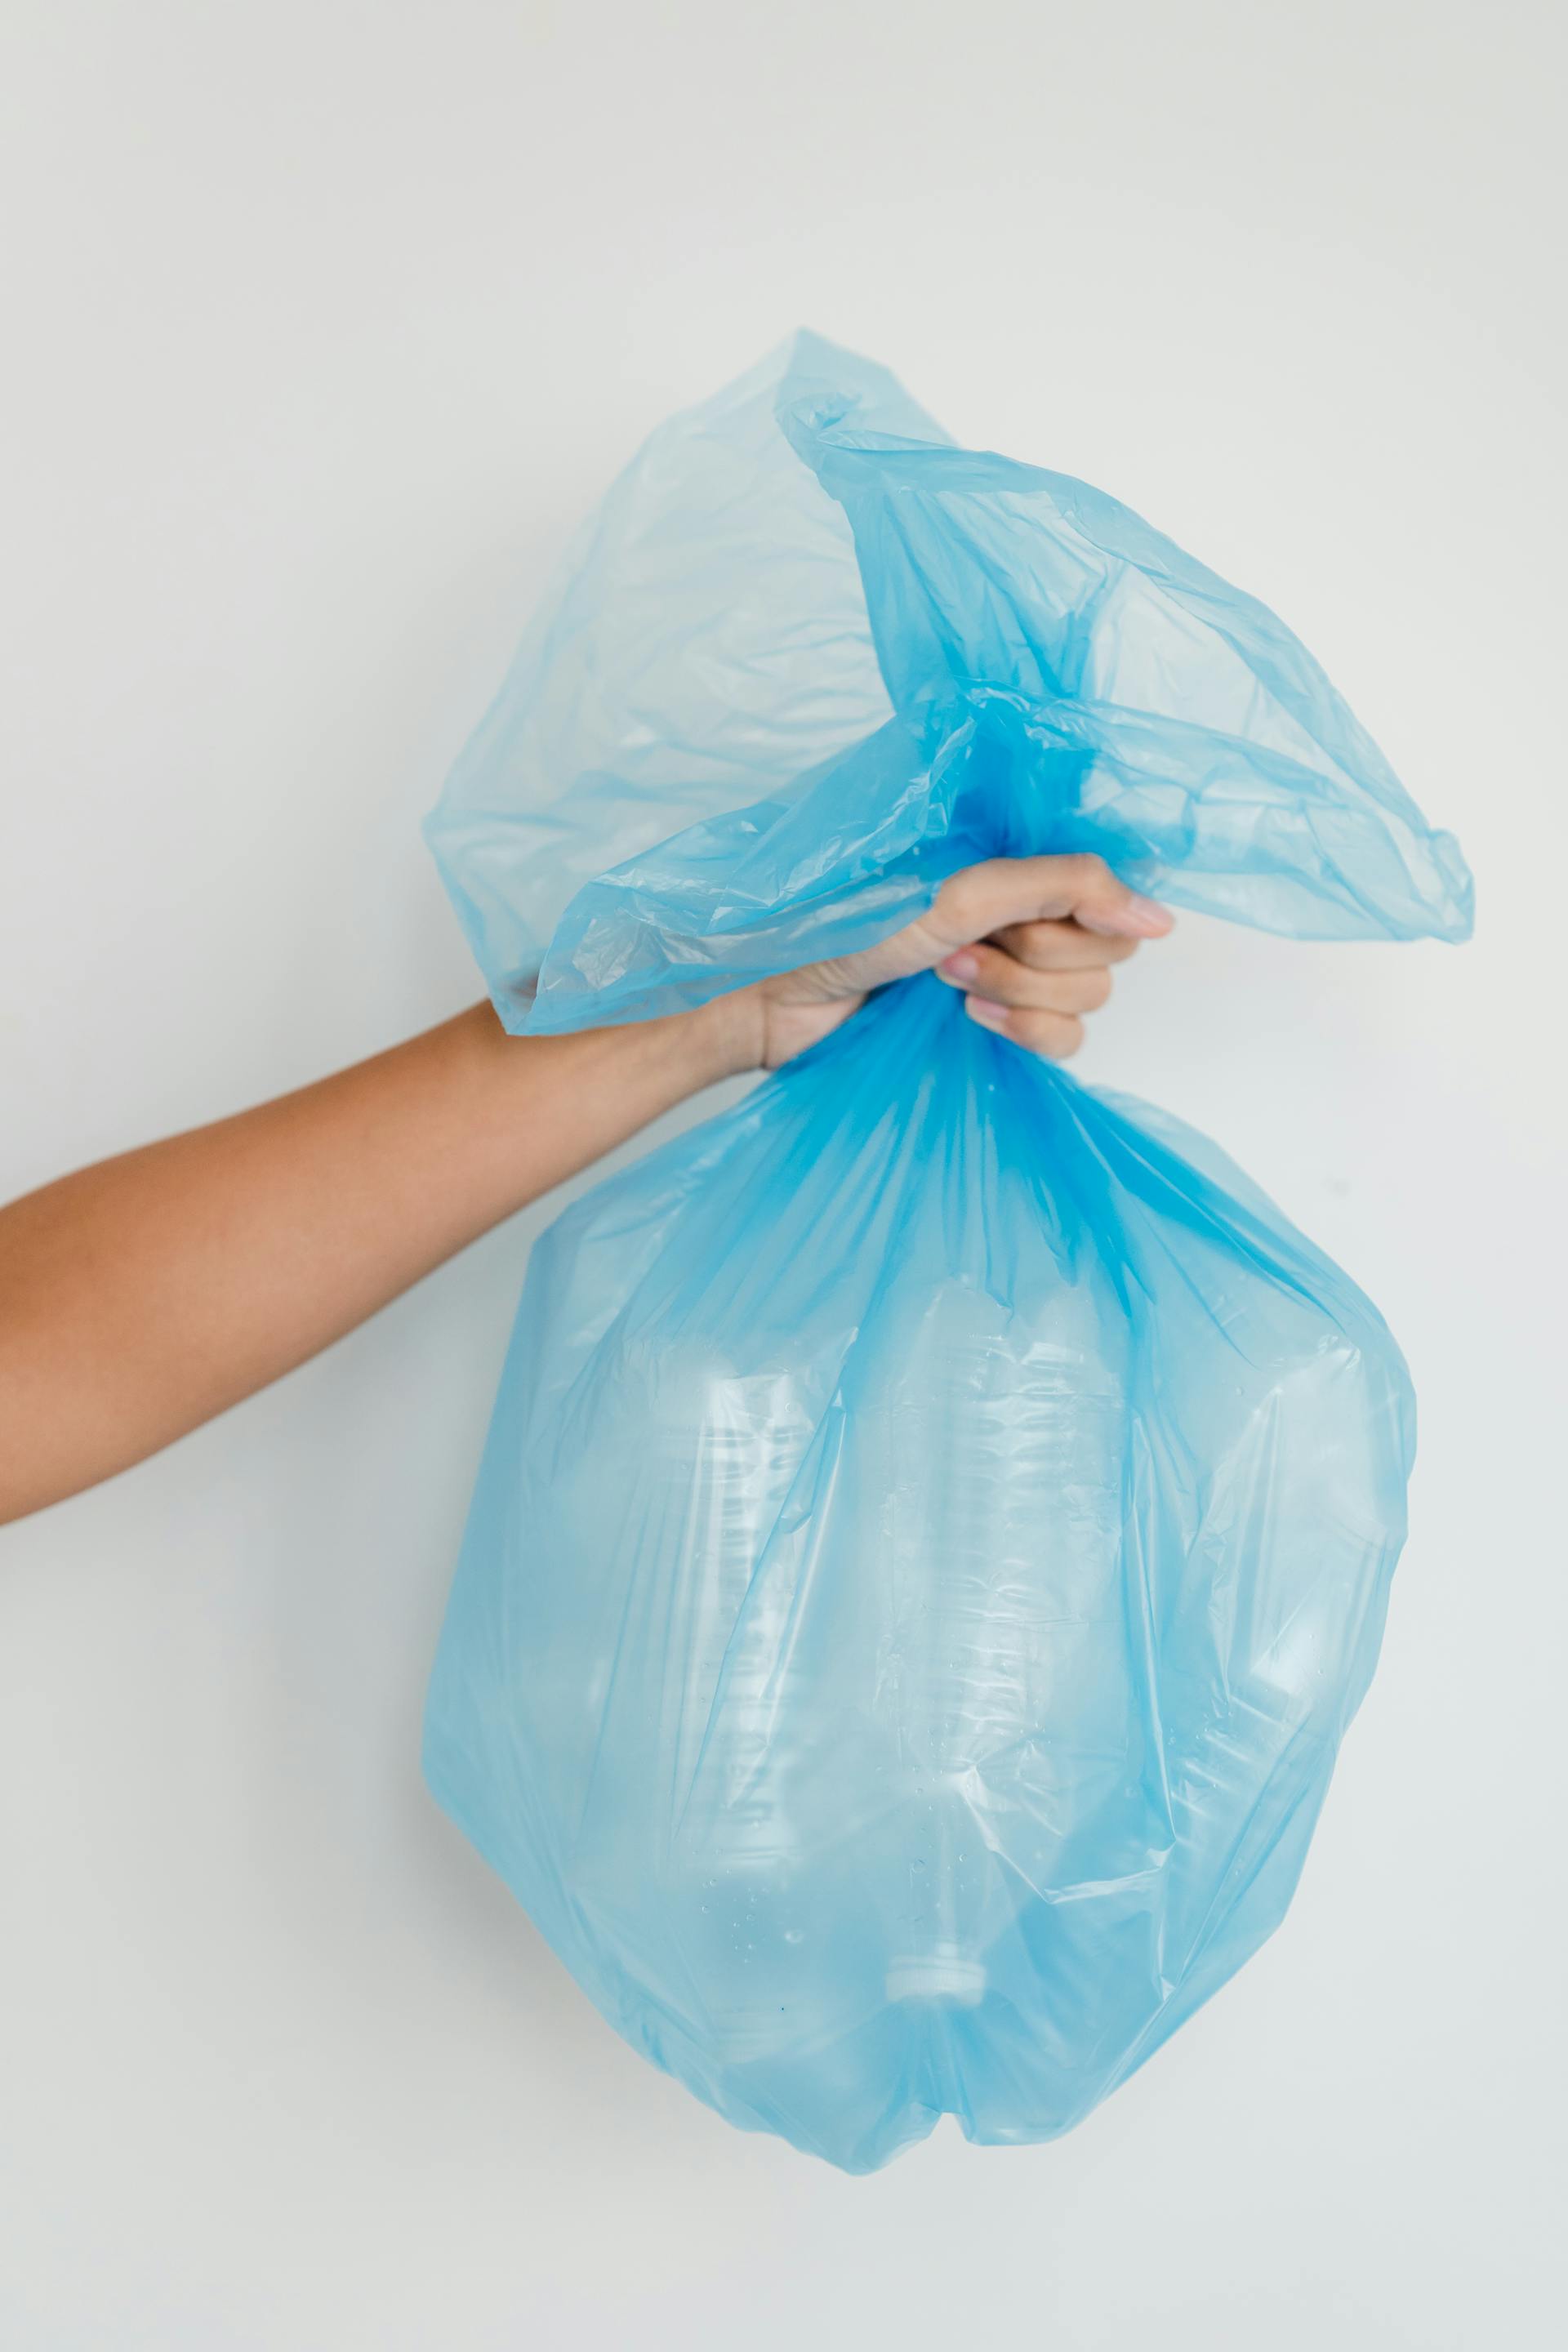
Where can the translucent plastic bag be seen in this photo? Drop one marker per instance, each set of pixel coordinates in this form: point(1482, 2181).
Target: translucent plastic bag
point(936, 1519)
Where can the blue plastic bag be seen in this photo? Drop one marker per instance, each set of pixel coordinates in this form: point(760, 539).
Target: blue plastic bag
point(937, 1520)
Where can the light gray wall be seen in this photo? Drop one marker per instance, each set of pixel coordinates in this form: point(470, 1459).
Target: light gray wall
point(325, 323)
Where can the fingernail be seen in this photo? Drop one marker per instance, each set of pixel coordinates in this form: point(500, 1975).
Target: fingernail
point(1147, 915)
point(962, 966)
point(989, 1016)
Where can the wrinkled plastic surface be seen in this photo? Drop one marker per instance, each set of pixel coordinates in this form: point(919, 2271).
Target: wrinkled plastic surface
point(937, 1520)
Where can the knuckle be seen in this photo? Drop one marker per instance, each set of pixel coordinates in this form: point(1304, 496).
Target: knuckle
point(1054, 1035)
point(1040, 946)
point(1084, 991)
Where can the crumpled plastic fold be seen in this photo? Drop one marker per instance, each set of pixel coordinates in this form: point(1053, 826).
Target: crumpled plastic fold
point(936, 1519)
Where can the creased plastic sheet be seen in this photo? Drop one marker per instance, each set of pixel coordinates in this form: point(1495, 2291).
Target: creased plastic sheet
point(937, 1520)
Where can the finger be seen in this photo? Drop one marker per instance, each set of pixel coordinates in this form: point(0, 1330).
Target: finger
point(1056, 1035)
point(1060, 946)
point(1003, 980)
point(1002, 890)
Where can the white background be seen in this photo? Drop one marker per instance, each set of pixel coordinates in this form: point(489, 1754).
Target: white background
point(326, 319)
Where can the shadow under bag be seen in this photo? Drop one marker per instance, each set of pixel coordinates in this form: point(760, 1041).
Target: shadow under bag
point(936, 1519)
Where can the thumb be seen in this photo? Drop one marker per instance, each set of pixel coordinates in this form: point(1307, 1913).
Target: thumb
point(1002, 890)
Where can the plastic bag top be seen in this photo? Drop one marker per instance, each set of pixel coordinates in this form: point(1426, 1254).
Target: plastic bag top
point(810, 657)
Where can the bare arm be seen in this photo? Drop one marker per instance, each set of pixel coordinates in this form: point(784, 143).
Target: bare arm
point(142, 1295)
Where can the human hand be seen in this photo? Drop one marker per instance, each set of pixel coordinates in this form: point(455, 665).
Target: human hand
point(1029, 940)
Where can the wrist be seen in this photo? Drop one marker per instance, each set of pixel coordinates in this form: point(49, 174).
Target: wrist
point(675, 1056)
point(726, 1035)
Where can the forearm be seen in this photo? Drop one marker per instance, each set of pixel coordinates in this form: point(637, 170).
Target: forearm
point(140, 1296)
